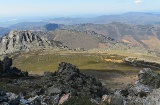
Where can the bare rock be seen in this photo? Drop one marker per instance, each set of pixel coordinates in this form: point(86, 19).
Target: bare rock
point(64, 98)
point(85, 85)
point(25, 41)
point(149, 78)
point(153, 98)
point(6, 70)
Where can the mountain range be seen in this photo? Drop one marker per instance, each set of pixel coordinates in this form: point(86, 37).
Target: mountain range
point(129, 18)
point(147, 36)
point(28, 36)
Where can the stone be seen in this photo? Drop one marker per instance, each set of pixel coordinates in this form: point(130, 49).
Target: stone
point(124, 92)
point(54, 90)
point(87, 86)
point(67, 68)
point(64, 98)
point(139, 87)
point(153, 98)
point(7, 63)
point(149, 78)
point(6, 70)
point(117, 99)
point(106, 99)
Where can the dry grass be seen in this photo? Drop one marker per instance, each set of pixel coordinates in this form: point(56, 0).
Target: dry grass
point(39, 63)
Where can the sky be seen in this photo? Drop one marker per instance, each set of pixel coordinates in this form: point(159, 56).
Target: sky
point(68, 8)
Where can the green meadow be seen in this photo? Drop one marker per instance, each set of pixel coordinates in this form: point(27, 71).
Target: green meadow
point(39, 63)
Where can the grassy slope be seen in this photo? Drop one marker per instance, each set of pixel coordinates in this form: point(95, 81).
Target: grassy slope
point(36, 63)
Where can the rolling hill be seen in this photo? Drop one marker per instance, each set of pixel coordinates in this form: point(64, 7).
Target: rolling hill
point(147, 36)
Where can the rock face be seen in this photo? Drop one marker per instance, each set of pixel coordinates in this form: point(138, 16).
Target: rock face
point(7, 71)
point(24, 41)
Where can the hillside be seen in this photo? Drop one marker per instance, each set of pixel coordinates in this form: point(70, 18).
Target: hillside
point(74, 39)
point(147, 36)
point(113, 36)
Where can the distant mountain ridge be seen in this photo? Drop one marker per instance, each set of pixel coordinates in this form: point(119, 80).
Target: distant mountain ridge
point(3, 31)
point(28, 26)
point(129, 18)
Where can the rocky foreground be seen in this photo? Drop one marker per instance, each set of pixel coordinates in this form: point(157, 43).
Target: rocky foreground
point(19, 88)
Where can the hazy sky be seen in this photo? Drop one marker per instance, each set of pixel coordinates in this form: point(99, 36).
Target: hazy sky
point(74, 7)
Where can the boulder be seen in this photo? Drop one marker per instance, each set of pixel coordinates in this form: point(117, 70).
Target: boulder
point(7, 63)
point(64, 98)
point(6, 70)
point(69, 79)
point(147, 77)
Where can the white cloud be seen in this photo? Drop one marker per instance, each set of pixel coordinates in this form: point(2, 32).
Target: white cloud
point(138, 1)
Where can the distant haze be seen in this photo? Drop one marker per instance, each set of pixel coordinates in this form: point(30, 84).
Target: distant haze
point(68, 8)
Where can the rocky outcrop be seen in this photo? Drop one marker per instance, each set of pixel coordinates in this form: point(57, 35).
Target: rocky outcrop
point(151, 84)
point(54, 88)
point(141, 62)
point(24, 41)
point(149, 78)
point(145, 91)
point(7, 71)
point(69, 80)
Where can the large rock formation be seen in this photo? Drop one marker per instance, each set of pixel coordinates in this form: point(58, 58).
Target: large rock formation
point(7, 71)
point(69, 80)
point(24, 41)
